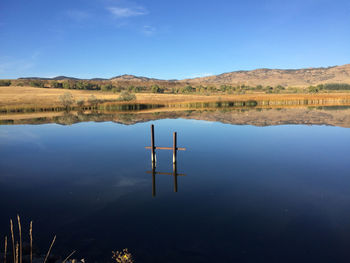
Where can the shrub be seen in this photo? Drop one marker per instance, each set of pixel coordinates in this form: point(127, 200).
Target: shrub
point(122, 256)
point(137, 89)
point(66, 85)
point(115, 90)
point(56, 85)
point(66, 100)
point(5, 82)
point(126, 96)
point(107, 87)
point(335, 86)
point(93, 100)
point(80, 102)
point(187, 89)
point(313, 89)
point(157, 89)
point(36, 83)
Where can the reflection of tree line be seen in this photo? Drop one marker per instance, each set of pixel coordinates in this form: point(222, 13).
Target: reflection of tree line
point(101, 106)
point(332, 115)
point(112, 107)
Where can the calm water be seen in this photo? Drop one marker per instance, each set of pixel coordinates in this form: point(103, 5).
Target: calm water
point(250, 194)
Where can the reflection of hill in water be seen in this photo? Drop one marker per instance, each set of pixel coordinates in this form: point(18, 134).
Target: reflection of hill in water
point(333, 115)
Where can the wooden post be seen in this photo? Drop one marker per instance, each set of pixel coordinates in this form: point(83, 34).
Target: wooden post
point(175, 177)
point(153, 146)
point(153, 180)
point(174, 147)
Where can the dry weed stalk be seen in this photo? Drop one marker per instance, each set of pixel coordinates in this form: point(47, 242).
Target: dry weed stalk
point(71, 254)
point(31, 241)
point(17, 248)
point(5, 251)
point(13, 241)
point(48, 252)
point(20, 238)
point(16, 252)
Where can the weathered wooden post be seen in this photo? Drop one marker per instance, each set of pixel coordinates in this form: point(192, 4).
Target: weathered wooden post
point(174, 147)
point(175, 176)
point(155, 173)
point(153, 180)
point(153, 152)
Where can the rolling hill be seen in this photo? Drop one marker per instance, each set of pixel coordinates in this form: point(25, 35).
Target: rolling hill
point(265, 77)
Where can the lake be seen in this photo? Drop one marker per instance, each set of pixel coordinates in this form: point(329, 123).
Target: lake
point(256, 185)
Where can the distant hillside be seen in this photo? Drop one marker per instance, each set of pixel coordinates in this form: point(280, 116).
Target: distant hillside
point(132, 78)
point(264, 77)
point(58, 78)
point(274, 77)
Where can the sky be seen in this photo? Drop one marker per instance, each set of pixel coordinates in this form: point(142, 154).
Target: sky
point(169, 39)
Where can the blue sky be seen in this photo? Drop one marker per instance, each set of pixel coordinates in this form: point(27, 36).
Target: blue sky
point(169, 39)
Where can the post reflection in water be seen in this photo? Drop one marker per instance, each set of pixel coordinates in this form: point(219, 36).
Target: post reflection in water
point(154, 173)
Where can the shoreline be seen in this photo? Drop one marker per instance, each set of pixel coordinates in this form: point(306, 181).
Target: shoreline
point(29, 97)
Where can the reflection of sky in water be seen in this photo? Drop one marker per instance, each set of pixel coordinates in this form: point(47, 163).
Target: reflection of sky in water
point(250, 193)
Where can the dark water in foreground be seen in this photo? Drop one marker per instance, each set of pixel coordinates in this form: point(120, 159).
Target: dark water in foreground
point(250, 194)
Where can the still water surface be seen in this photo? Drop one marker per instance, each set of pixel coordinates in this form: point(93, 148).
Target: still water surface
point(250, 194)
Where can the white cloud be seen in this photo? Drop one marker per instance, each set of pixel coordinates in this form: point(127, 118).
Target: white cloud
point(125, 12)
point(200, 75)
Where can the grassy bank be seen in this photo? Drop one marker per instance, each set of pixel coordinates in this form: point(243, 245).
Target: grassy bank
point(29, 99)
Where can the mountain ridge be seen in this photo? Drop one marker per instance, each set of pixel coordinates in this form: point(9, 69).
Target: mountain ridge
point(261, 76)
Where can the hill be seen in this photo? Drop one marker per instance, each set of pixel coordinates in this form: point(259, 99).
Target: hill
point(274, 77)
point(265, 77)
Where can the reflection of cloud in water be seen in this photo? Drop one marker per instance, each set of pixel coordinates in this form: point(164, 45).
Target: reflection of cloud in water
point(202, 122)
point(8, 137)
point(126, 182)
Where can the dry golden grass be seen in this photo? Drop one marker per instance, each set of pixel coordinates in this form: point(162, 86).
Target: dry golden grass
point(123, 256)
point(17, 245)
point(29, 96)
point(14, 96)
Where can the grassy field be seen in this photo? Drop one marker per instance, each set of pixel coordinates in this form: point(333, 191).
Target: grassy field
point(13, 97)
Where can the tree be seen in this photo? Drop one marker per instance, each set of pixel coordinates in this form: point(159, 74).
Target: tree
point(66, 85)
point(67, 100)
point(36, 83)
point(313, 89)
point(5, 82)
point(187, 89)
point(157, 89)
point(56, 85)
point(280, 87)
point(107, 87)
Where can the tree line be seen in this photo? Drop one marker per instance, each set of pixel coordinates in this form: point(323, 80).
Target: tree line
point(329, 87)
point(186, 89)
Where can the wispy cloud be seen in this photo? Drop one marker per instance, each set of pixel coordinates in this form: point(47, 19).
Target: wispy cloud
point(78, 15)
point(126, 12)
point(9, 137)
point(148, 30)
point(7, 65)
point(10, 65)
point(200, 75)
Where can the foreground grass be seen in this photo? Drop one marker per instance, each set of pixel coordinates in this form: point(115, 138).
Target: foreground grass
point(14, 251)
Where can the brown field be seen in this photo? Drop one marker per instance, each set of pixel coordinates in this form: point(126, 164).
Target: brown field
point(13, 97)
